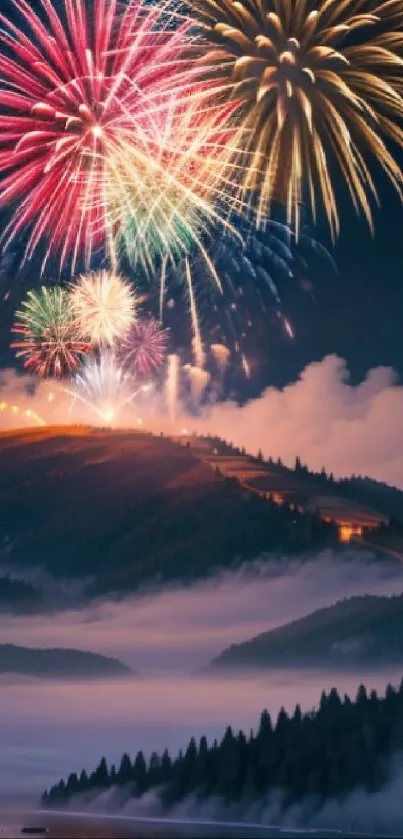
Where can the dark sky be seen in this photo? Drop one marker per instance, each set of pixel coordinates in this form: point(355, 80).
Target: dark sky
point(357, 314)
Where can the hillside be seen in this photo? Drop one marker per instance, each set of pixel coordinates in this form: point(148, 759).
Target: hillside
point(126, 507)
point(358, 631)
point(76, 664)
point(332, 500)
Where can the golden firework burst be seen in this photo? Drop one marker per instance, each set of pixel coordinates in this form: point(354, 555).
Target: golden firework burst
point(319, 86)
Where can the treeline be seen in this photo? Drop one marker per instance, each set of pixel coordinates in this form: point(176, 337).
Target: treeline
point(387, 500)
point(325, 753)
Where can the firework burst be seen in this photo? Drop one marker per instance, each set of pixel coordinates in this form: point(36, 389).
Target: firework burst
point(103, 304)
point(319, 84)
point(82, 85)
point(103, 386)
point(144, 347)
point(49, 338)
point(165, 204)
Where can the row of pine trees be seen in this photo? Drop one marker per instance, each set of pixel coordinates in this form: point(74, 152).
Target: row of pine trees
point(325, 753)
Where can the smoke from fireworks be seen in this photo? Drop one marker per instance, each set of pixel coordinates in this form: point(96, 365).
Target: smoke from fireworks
point(103, 304)
point(319, 82)
point(144, 347)
point(221, 355)
point(172, 385)
point(50, 340)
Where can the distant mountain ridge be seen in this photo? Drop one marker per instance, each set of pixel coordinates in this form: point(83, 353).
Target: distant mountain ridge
point(58, 662)
point(364, 630)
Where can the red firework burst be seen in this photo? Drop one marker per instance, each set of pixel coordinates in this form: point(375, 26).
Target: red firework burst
point(80, 86)
point(145, 346)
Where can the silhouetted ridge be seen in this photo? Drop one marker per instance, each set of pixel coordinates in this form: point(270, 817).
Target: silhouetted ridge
point(58, 662)
point(359, 630)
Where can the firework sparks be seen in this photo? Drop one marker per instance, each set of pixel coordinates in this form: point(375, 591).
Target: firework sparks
point(258, 273)
point(103, 304)
point(50, 340)
point(27, 413)
point(83, 85)
point(163, 205)
point(318, 82)
point(104, 387)
point(144, 347)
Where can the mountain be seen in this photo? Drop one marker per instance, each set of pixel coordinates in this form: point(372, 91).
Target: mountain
point(76, 664)
point(357, 631)
point(124, 507)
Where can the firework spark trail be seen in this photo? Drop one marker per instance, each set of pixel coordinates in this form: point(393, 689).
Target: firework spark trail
point(104, 305)
point(197, 339)
point(79, 89)
point(163, 279)
point(26, 412)
point(172, 385)
point(50, 339)
point(318, 82)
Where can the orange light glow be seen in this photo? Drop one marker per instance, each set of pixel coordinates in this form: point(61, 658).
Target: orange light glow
point(347, 532)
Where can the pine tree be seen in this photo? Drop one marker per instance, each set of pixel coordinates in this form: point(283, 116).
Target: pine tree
point(139, 774)
point(125, 770)
point(100, 777)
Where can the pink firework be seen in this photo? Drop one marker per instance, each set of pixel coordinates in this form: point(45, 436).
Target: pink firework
point(144, 348)
point(77, 88)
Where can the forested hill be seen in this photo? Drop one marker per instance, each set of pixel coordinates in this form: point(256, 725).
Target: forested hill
point(326, 753)
point(59, 662)
point(364, 631)
point(126, 507)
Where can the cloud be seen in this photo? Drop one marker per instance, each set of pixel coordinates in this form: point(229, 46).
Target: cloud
point(326, 420)
point(322, 417)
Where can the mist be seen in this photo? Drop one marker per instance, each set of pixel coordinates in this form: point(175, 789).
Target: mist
point(321, 417)
point(373, 814)
point(180, 629)
point(51, 728)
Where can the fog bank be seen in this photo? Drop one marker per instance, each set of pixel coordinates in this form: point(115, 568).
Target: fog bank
point(178, 629)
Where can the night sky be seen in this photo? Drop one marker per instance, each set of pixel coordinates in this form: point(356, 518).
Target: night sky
point(357, 314)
